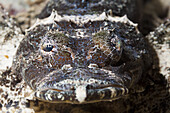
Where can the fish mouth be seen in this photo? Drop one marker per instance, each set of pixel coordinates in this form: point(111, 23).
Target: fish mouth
point(80, 86)
point(81, 93)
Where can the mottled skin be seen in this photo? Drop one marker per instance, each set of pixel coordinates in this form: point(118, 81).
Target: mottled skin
point(131, 8)
point(81, 59)
point(147, 93)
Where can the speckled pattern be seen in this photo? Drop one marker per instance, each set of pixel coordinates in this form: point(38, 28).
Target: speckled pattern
point(83, 59)
point(131, 8)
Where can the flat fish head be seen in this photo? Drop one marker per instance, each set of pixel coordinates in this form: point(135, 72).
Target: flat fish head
point(73, 59)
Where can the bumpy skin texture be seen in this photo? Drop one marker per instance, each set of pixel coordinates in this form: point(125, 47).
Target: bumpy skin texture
point(81, 59)
point(131, 8)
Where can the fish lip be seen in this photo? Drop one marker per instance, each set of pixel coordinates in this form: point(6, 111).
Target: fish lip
point(88, 87)
point(71, 84)
point(56, 87)
point(81, 95)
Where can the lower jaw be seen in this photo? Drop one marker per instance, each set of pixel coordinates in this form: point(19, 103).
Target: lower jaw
point(81, 95)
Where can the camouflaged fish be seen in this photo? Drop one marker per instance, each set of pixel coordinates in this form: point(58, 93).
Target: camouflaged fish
point(81, 58)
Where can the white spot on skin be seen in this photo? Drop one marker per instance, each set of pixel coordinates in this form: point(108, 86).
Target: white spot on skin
point(81, 93)
point(62, 98)
point(59, 95)
point(38, 94)
point(66, 67)
point(93, 66)
point(49, 97)
point(113, 94)
point(123, 90)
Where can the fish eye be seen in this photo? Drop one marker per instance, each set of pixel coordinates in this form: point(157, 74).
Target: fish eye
point(116, 47)
point(116, 43)
point(47, 47)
